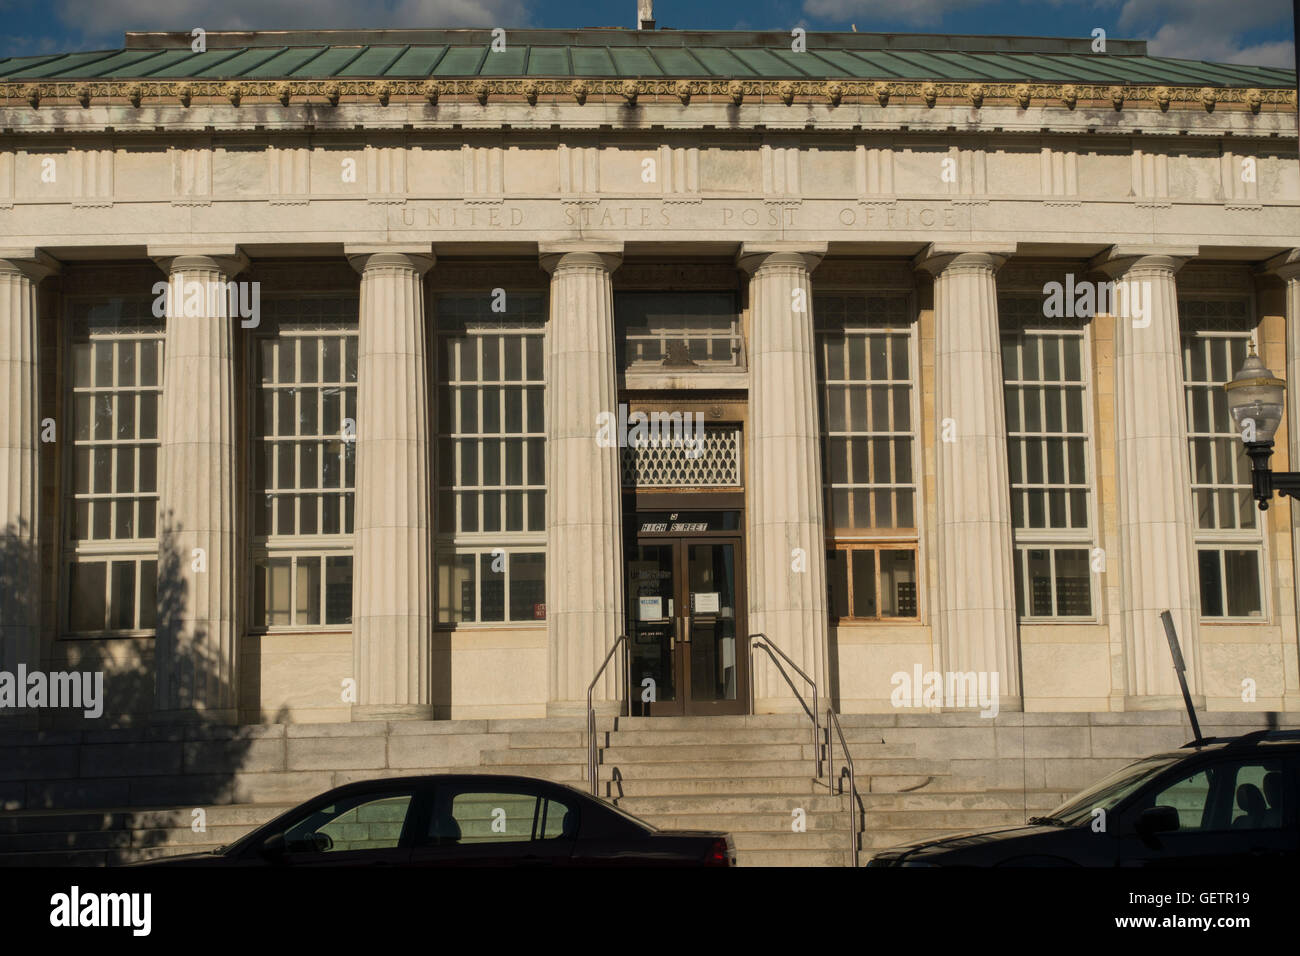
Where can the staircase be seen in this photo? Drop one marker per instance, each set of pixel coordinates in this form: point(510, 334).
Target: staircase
point(748, 775)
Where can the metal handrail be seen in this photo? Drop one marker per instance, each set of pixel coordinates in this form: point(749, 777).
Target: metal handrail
point(854, 799)
point(591, 710)
point(770, 646)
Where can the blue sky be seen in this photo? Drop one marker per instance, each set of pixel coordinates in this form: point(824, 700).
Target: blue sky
point(1241, 31)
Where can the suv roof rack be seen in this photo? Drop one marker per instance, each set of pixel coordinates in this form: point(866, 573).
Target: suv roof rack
point(1246, 740)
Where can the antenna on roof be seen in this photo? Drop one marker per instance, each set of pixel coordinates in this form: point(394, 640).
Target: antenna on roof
point(645, 14)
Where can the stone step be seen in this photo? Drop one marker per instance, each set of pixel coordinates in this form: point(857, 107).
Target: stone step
point(747, 822)
point(785, 840)
point(863, 737)
point(59, 821)
point(794, 857)
point(731, 804)
point(787, 767)
point(1034, 801)
point(716, 723)
point(885, 839)
point(712, 786)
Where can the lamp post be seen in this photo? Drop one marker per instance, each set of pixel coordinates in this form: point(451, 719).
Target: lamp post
point(1255, 399)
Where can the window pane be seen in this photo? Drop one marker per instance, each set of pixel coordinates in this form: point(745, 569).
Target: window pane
point(1211, 584)
point(456, 588)
point(527, 586)
point(307, 600)
point(148, 594)
point(898, 583)
point(493, 584)
point(837, 583)
point(863, 568)
point(86, 610)
point(338, 589)
point(1038, 562)
point(1073, 583)
point(122, 609)
point(1241, 569)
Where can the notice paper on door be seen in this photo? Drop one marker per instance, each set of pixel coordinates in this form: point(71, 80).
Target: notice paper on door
point(650, 608)
point(705, 602)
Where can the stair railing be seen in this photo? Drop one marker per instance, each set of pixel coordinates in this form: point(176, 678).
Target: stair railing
point(591, 709)
point(837, 786)
point(767, 644)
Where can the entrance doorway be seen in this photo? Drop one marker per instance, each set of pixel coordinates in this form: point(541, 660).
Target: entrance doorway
point(685, 587)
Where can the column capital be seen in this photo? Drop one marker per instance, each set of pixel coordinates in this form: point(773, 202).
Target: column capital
point(1284, 265)
point(228, 260)
point(940, 257)
point(558, 256)
point(416, 257)
point(32, 263)
point(753, 256)
point(1119, 260)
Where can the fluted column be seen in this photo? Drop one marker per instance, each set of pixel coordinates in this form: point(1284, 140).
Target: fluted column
point(392, 619)
point(786, 524)
point(20, 472)
point(584, 525)
point(1286, 267)
point(976, 617)
point(199, 564)
point(1157, 563)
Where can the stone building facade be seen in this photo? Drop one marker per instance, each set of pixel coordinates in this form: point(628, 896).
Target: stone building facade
point(306, 343)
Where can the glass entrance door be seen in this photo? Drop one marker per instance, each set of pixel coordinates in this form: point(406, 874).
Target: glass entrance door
point(686, 626)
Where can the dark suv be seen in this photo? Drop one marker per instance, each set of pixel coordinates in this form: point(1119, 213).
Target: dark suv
point(1216, 802)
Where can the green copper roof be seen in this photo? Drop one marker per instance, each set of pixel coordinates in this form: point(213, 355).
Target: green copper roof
point(605, 52)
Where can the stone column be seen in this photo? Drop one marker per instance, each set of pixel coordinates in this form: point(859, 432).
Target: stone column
point(392, 590)
point(20, 452)
point(1286, 266)
point(584, 521)
point(200, 567)
point(1157, 562)
point(976, 618)
point(786, 527)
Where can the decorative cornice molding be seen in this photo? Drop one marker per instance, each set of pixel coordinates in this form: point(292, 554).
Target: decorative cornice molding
point(635, 92)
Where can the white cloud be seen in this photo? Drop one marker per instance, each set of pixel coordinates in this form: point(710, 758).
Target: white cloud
point(915, 12)
point(1211, 29)
point(106, 20)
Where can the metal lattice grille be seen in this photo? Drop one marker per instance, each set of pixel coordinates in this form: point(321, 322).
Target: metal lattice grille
point(673, 463)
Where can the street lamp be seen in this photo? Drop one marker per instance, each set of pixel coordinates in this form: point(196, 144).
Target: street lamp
point(1255, 398)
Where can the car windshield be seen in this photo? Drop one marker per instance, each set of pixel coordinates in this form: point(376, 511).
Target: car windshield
point(1111, 790)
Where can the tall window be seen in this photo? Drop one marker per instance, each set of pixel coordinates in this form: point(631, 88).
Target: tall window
point(865, 375)
point(1045, 390)
point(491, 510)
point(678, 329)
point(304, 411)
point(1229, 540)
point(111, 536)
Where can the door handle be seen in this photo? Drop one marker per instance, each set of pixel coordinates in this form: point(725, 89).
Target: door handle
point(686, 623)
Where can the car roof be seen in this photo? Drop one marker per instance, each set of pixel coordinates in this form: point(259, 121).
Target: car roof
point(1271, 739)
point(453, 778)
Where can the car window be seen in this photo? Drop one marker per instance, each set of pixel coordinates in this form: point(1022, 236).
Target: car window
point(1226, 795)
point(360, 822)
point(1109, 791)
point(1257, 795)
point(1190, 796)
point(472, 816)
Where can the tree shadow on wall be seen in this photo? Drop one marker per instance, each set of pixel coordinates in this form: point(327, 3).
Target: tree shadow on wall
point(137, 771)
